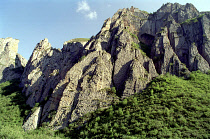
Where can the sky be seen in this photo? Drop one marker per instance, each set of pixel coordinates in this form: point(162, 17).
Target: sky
point(61, 20)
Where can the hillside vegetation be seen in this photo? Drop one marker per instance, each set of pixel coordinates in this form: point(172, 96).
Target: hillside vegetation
point(13, 110)
point(170, 107)
point(131, 49)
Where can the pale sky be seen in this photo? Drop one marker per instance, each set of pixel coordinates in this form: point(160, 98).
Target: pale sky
point(60, 20)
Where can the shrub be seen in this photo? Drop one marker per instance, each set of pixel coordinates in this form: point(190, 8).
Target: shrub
point(208, 72)
point(192, 20)
point(134, 46)
point(124, 102)
point(83, 57)
point(13, 111)
point(113, 90)
point(170, 107)
point(134, 36)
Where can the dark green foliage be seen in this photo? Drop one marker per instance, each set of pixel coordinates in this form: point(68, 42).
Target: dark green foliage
point(189, 21)
point(125, 102)
point(200, 16)
point(134, 36)
point(52, 115)
point(170, 107)
point(135, 46)
point(12, 104)
point(208, 72)
point(145, 49)
point(113, 90)
point(83, 57)
point(13, 111)
point(192, 20)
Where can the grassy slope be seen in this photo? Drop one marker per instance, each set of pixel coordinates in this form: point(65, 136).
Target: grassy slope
point(170, 107)
point(13, 110)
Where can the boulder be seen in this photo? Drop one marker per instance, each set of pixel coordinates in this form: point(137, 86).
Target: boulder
point(33, 120)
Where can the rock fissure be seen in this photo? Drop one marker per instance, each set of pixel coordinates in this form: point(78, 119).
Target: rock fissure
point(75, 102)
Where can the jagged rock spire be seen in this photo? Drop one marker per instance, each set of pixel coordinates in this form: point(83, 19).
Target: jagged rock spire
point(131, 49)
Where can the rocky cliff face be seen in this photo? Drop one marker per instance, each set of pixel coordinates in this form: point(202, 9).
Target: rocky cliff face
point(131, 49)
point(11, 63)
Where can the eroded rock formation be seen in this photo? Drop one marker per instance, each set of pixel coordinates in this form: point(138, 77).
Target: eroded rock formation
point(11, 63)
point(131, 49)
point(33, 120)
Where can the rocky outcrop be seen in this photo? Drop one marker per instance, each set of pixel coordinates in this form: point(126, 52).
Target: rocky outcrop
point(131, 49)
point(33, 121)
point(87, 89)
point(46, 68)
point(11, 63)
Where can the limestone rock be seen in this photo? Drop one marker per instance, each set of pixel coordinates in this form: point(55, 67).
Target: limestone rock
point(205, 22)
point(33, 121)
point(106, 25)
point(141, 72)
point(20, 61)
point(11, 63)
point(46, 67)
point(131, 49)
point(88, 84)
point(178, 12)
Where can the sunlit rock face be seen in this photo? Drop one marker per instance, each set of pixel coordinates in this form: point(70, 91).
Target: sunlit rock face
point(11, 63)
point(131, 49)
point(33, 120)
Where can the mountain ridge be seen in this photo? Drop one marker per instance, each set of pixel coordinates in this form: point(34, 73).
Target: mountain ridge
point(132, 48)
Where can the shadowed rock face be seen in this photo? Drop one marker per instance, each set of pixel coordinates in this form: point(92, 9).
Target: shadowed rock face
point(11, 63)
point(131, 49)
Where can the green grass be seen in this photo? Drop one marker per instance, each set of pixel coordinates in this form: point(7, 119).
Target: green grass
point(170, 107)
point(79, 40)
point(13, 110)
point(135, 46)
point(192, 20)
point(189, 21)
point(83, 57)
point(134, 36)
